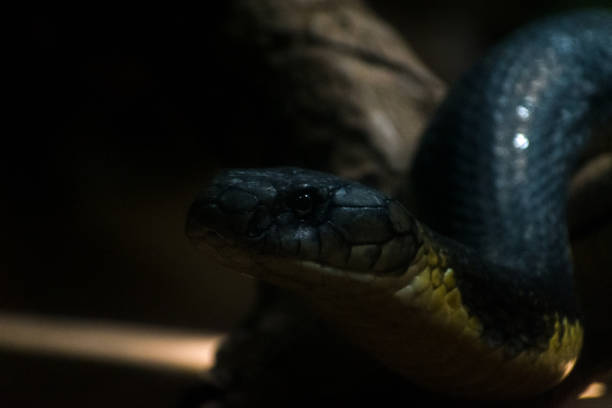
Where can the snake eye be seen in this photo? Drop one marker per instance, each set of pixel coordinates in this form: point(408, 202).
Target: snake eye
point(303, 201)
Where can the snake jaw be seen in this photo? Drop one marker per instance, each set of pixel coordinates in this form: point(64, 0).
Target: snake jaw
point(221, 249)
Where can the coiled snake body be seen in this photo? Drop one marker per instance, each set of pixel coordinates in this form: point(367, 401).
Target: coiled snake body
point(485, 305)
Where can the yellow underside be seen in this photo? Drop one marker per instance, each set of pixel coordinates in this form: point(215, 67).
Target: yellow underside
point(469, 366)
point(418, 325)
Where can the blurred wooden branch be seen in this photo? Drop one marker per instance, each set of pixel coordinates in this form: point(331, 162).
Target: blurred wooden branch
point(354, 96)
point(114, 342)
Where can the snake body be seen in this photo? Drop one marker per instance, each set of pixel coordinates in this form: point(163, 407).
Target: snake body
point(478, 299)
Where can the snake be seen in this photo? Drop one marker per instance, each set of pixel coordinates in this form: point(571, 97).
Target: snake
point(476, 297)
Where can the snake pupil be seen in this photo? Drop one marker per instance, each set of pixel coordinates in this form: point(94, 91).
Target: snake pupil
point(302, 202)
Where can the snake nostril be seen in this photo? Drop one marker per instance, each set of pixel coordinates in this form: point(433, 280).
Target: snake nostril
point(213, 238)
point(236, 200)
point(212, 234)
point(259, 222)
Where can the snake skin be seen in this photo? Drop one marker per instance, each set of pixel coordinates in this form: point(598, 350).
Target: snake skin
point(494, 165)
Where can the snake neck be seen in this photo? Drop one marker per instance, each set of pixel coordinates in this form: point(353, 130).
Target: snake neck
point(437, 326)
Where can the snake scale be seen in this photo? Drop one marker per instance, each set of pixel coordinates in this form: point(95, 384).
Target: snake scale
point(476, 297)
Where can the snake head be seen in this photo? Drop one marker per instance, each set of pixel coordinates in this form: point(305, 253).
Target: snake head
point(254, 218)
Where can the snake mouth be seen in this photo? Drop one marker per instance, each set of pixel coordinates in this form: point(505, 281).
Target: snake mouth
point(223, 250)
point(207, 236)
point(311, 275)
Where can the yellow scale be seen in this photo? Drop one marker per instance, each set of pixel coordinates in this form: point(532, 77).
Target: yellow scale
point(468, 364)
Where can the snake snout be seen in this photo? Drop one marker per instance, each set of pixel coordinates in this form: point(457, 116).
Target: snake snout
point(223, 209)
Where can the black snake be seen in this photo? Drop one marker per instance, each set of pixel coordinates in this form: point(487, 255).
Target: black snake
point(485, 305)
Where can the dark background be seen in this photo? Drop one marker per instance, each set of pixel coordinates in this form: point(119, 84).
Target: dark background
point(118, 118)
